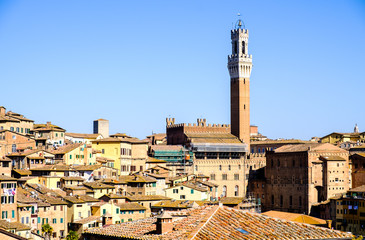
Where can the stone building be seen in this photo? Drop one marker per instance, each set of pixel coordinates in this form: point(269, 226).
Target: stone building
point(48, 135)
point(11, 142)
point(298, 176)
point(101, 126)
point(14, 122)
point(358, 169)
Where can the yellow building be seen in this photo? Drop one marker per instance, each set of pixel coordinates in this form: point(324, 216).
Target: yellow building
point(336, 137)
point(51, 182)
point(129, 154)
point(99, 189)
point(131, 212)
point(188, 191)
point(75, 154)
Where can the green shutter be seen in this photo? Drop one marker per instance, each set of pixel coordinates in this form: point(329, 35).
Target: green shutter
point(12, 214)
point(39, 219)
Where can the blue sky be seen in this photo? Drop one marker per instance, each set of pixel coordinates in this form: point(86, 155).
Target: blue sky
point(138, 62)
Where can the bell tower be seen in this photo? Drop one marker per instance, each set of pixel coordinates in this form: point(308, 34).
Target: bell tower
point(239, 67)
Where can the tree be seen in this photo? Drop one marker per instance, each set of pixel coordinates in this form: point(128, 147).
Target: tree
point(47, 230)
point(72, 235)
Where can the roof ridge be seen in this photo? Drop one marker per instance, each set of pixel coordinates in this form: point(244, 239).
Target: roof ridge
point(205, 223)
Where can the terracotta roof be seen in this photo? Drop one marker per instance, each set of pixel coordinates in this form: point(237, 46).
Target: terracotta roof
point(13, 225)
point(97, 185)
point(67, 148)
point(72, 178)
point(309, 147)
point(104, 159)
point(147, 198)
point(114, 196)
point(296, 217)
point(73, 199)
point(192, 185)
point(177, 204)
point(332, 158)
point(231, 200)
point(213, 222)
point(130, 206)
point(212, 138)
point(88, 219)
point(87, 167)
point(286, 141)
point(87, 198)
point(121, 139)
point(6, 178)
point(229, 223)
point(47, 127)
point(137, 178)
point(55, 168)
point(82, 135)
point(358, 189)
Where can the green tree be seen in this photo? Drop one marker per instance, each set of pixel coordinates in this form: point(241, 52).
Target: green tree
point(47, 230)
point(72, 235)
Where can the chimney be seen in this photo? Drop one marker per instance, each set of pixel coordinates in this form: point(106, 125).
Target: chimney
point(2, 111)
point(164, 223)
point(48, 124)
point(329, 224)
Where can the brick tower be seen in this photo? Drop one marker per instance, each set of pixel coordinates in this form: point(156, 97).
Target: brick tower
point(239, 67)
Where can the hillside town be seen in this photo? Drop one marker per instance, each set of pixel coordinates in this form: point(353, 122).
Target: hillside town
point(194, 181)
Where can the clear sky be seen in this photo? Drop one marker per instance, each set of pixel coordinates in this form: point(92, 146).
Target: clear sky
point(137, 62)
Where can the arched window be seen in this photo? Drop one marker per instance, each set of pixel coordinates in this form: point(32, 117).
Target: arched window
point(229, 167)
point(220, 167)
point(12, 129)
point(239, 166)
point(243, 47)
point(224, 193)
point(236, 191)
point(17, 129)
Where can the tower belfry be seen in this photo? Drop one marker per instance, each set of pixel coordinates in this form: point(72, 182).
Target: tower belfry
point(239, 67)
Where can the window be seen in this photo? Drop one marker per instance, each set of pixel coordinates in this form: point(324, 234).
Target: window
point(236, 191)
point(192, 191)
point(39, 220)
point(175, 190)
point(272, 200)
point(236, 177)
point(54, 220)
point(229, 167)
point(102, 151)
point(290, 200)
point(196, 167)
point(12, 214)
point(117, 210)
point(12, 129)
point(182, 196)
point(212, 176)
point(17, 129)
point(224, 192)
point(13, 148)
point(61, 220)
point(4, 214)
point(104, 211)
point(224, 176)
point(300, 201)
point(220, 167)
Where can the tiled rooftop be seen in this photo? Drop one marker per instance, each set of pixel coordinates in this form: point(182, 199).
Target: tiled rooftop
point(214, 222)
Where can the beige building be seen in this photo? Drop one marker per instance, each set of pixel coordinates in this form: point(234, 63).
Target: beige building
point(14, 122)
point(101, 126)
point(48, 135)
point(298, 176)
point(75, 154)
point(8, 207)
